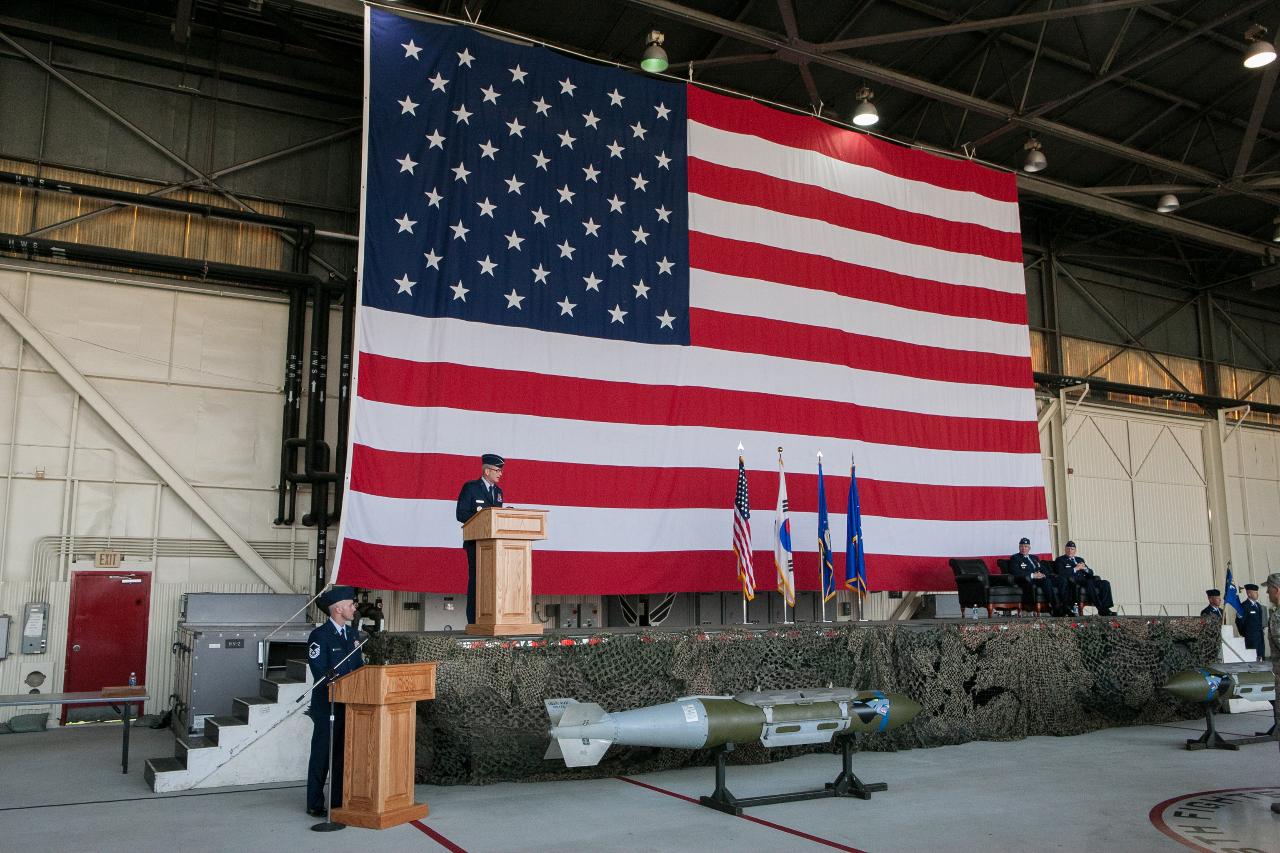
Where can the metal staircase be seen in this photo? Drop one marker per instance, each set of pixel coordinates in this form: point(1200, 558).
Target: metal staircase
point(264, 739)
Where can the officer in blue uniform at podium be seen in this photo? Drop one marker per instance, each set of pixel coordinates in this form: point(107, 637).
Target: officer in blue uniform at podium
point(328, 648)
point(475, 496)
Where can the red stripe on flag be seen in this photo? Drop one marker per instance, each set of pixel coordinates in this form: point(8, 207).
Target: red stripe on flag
point(796, 131)
point(740, 186)
point(444, 570)
point(409, 383)
point(753, 261)
point(740, 333)
point(437, 476)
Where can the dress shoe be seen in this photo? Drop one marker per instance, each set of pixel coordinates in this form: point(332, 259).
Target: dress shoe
point(316, 812)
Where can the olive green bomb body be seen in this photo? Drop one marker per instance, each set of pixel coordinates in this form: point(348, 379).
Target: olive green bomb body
point(582, 731)
point(1253, 680)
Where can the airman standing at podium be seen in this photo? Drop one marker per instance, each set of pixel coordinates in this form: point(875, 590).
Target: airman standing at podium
point(475, 496)
point(330, 650)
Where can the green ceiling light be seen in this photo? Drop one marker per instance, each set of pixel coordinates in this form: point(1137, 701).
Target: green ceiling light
point(654, 58)
point(1260, 52)
point(865, 115)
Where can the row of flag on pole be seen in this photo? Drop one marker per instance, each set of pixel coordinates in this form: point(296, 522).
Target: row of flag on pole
point(855, 569)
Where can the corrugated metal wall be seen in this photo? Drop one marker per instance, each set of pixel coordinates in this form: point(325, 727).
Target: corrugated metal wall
point(14, 597)
point(1138, 506)
point(1251, 459)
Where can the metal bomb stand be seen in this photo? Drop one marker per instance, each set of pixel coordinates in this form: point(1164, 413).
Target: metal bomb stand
point(224, 643)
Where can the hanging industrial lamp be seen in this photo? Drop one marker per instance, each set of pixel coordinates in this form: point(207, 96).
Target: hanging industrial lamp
point(1260, 52)
point(654, 58)
point(1035, 160)
point(865, 115)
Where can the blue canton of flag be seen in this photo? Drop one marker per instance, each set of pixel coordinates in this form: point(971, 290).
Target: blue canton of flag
point(510, 185)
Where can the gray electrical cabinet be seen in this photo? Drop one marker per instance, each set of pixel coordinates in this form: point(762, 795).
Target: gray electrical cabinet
point(224, 643)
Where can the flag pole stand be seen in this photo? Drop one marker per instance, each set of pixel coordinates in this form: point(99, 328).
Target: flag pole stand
point(744, 610)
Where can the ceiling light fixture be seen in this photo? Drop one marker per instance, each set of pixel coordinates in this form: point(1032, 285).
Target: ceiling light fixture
point(1275, 237)
point(1260, 52)
point(654, 58)
point(865, 115)
point(1168, 203)
point(1035, 161)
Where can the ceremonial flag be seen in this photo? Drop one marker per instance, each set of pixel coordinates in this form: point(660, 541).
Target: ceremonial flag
point(742, 535)
point(782, 560)
point(608, 278)
point(1231, 595)
point(825, 561)
point(855, 559)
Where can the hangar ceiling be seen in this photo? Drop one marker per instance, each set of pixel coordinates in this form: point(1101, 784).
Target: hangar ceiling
point(1129, 99)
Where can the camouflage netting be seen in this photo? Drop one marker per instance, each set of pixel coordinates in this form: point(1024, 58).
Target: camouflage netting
point(989, 681)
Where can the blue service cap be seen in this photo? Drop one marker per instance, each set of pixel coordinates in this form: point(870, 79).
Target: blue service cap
point(1024, 541)
point(1212, 592)
point(335, 594)
point(493, 459)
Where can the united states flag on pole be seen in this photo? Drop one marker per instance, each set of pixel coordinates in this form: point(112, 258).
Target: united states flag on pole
point(612, 280)
point(742, 548)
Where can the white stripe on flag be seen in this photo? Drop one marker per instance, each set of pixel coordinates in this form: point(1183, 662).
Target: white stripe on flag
point(411, 429)
point(755, 298)
point(425, 339)
point(749, 224)
point(431, 523)
point(799, 165)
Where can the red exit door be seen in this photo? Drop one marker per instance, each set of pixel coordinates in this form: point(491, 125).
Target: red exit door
point(106, 634)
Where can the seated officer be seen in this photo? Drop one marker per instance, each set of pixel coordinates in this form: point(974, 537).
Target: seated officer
point(331, 652)
point(1080, 578)
point(1030, 574)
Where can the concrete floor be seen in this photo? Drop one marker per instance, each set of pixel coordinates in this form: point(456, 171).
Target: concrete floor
point(63, 790)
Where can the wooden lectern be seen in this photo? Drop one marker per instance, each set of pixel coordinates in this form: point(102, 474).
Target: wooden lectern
point(377, 780)
point(504, 569)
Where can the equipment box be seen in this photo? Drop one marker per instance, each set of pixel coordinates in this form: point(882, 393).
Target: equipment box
point(224, 643)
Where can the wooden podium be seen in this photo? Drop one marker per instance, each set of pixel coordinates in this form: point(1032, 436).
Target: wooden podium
point(504, 569)
point(377, 780)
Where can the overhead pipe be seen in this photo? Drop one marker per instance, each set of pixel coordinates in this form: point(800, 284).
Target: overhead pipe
point(1204, 401)
point(31, 182)
point(62, 250)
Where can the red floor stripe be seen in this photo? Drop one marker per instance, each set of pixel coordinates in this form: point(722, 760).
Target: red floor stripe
point(437, 837)
point(826, 842)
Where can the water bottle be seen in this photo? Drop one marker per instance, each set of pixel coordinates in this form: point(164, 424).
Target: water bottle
point(133, 679)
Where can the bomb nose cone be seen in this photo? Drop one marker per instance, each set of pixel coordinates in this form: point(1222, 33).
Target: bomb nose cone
point(1192, 685)
point(902, 709)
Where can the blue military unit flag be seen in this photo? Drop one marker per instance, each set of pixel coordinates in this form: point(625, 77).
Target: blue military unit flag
point(825, 559)
point(855, 567)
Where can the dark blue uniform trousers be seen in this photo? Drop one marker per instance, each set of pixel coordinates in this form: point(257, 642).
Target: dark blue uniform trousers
point(319, 763)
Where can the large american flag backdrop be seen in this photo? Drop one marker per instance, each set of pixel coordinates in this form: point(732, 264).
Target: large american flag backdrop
point(613, 280)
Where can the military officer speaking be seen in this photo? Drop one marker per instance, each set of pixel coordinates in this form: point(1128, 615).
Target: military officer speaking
point(475, 496)
point(329, 653)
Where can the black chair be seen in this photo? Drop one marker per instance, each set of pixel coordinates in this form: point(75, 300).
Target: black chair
point(979, 588)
